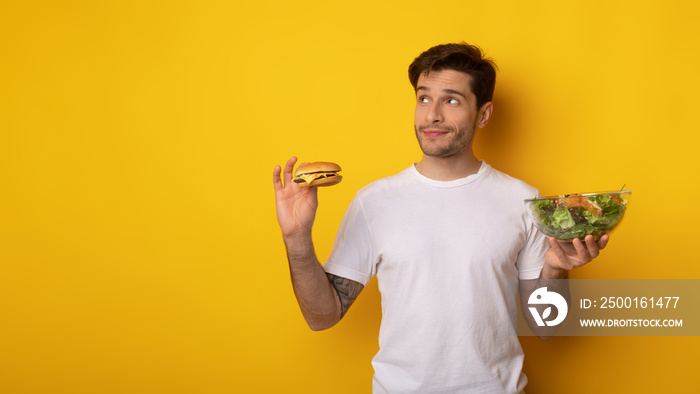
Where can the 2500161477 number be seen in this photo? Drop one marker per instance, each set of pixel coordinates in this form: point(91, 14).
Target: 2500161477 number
point(638, 302)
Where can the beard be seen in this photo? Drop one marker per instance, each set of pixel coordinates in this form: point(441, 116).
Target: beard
point(449, 145)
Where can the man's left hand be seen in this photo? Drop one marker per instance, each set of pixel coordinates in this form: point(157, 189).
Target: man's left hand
point(566, 255)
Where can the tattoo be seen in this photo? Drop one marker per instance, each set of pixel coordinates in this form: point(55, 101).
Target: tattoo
point(347, 290)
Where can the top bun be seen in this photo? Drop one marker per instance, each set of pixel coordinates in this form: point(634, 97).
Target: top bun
point(318, 166)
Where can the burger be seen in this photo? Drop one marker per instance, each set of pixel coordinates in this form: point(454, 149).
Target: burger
point(320, 173)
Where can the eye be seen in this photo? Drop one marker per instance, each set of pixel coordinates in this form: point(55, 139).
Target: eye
point(452, 101)
point(422, 99)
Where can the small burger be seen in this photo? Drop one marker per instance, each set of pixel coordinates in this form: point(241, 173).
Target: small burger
point(319, 173)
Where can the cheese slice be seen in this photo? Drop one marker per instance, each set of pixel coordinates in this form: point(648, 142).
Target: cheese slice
point(308, 178)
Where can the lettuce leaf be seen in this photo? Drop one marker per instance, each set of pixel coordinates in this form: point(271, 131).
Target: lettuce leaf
point(561, 218)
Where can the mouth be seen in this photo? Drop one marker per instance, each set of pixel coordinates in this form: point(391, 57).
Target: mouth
point(434, 133)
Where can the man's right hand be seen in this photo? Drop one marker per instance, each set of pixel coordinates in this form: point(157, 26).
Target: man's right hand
point(323, 298)
point(296, 206)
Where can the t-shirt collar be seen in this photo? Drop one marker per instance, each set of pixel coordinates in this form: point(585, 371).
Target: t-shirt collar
point(483, 169)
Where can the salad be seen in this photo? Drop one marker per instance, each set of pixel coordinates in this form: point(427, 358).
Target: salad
point(576, 215)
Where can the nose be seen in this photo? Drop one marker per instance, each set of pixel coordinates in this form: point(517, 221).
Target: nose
point(434, 114)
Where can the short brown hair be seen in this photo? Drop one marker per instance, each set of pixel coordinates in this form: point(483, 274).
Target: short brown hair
point(462, 57)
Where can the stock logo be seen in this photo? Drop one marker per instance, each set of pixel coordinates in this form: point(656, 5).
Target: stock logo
point(543, 297)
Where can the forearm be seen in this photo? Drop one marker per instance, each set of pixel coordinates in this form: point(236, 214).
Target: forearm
point(528, 300)
point(554, 279)
point(558, 261)
point(316, 297)
point(549, 272)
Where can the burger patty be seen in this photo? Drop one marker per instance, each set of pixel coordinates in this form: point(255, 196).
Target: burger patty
point(308, 178)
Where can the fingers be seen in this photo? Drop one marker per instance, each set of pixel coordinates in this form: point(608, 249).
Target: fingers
point(558, 251)
point(592, 249)
point(288, 170)
point(568, 247)
point(276, 181)
point(577, 253)
point(588, 249)
point(582, 250)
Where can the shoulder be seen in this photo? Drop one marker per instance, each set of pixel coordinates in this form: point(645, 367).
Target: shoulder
point(504, 183)
point(391, 184)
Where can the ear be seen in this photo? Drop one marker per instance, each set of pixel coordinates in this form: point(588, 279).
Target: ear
point(484, 114)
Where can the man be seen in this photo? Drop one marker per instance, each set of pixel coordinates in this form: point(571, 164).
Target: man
point(448, 238)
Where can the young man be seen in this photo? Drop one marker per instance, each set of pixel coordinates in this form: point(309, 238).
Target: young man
point(448, 238)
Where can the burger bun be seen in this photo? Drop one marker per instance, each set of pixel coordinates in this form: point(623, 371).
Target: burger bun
point(317, 166)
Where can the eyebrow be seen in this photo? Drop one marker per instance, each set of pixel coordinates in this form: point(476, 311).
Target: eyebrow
point(448, 91)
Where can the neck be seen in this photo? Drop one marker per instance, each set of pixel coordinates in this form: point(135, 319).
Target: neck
point(448, 168)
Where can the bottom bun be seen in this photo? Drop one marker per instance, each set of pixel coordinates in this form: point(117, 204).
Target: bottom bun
point(330, 181)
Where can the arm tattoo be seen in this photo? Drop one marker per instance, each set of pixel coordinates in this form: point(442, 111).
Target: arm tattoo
point(347, 290)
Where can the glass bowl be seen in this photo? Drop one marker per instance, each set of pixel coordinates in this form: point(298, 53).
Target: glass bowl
point(571, 216)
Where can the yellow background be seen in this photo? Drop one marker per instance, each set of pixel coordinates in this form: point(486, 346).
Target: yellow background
point(139, 250)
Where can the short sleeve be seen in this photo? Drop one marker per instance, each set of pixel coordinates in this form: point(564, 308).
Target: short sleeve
point(531, 257)
point(352, 256)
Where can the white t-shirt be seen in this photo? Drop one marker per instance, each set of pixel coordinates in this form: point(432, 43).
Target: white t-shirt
point(448, 256)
